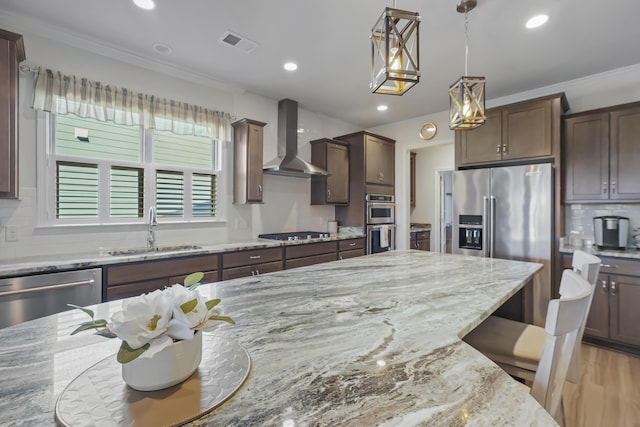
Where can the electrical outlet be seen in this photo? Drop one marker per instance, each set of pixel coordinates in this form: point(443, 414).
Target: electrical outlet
point(12, 233)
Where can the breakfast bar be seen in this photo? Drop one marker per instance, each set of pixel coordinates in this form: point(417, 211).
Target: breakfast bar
point(372, 340)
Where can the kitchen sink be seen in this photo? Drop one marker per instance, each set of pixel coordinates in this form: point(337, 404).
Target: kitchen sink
point(136, 251)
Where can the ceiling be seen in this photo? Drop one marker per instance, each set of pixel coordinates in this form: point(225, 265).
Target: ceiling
point(329, 39)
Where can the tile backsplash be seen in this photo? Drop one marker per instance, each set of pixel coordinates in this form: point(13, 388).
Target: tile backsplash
point(579, 217)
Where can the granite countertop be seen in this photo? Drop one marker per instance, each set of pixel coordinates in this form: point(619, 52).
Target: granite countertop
point(626, 253)
point(372, 340)
point(48, 264)
point(417, 227)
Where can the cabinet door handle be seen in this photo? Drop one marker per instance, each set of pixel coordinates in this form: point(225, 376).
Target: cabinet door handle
point(498, 149)
point(504, 148)
point(253, 273)
point(605, 288)
point(329, 192)
point(608, 266)
point(259, 189)
point(613, 187)
point(257, 272)
point(604, 187)
point(613, 288)
point(255, 257)
point(352, 244)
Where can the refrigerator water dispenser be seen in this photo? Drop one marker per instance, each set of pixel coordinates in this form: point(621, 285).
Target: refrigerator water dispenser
point(470, 232)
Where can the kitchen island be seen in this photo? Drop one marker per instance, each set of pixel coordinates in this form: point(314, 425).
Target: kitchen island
point(373, 340)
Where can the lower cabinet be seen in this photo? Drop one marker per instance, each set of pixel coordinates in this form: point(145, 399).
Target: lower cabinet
point(614, 316)
point(309, 254)
point(420, 240)
point(131, 279)
point(351, 248)
point(251, 262)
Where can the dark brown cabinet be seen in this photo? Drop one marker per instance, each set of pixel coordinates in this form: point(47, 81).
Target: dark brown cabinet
point(602, 155)
point(131, 279)
point(251, 262)
point(412, 180)
point(614, 317)
point(371, 170)
point(379, 165)
point(526, 130)
point(420, 240)
point(247, 150)
point(351, 248)
point(309, 254)
point(11, 54)
point(332, 156)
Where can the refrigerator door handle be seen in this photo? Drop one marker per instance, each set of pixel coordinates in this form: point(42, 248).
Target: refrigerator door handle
point(492, 219)
point(486, 229)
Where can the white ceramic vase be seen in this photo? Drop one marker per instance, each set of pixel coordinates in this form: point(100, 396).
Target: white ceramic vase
point(169, 367)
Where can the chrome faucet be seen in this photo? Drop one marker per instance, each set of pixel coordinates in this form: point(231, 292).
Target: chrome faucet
point(153, 223)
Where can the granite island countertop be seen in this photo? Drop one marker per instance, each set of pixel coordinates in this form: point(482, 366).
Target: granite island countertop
point(372, 340)
point(53, 263)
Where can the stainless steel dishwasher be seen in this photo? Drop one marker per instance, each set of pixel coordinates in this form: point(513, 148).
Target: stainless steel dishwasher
point(29, 297)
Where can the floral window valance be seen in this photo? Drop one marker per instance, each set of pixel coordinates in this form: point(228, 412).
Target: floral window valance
point(63, 94)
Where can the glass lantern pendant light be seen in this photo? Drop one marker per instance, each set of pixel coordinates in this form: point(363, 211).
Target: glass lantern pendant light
point(395, 56)
point(466, 96)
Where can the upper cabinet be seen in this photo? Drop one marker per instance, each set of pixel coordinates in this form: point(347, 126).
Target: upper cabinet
point(247, 151)
point(11, 54)
point(379, 164)
point(526, 130)
point(602, 154)
point(332, 156)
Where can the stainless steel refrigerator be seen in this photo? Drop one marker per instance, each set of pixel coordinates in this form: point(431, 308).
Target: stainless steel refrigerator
point(507, 212)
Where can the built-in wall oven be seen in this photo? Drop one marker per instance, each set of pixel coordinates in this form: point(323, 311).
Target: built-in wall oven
point(381, 227)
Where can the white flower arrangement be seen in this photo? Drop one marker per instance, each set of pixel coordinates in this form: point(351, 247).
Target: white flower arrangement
point(150, 322)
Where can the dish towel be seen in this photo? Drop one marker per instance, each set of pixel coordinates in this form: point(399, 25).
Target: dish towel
point(384, 236)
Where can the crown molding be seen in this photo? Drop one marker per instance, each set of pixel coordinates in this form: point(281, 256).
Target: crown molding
point(22, 24)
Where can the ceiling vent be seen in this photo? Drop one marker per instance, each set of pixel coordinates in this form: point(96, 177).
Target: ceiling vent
point(238, 41)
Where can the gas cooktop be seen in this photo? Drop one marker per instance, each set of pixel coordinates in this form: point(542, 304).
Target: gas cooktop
point(296, 235)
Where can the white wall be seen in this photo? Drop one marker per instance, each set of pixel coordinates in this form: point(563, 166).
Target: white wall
point(286, 200)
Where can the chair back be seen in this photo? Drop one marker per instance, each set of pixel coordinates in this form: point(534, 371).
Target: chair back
point(588, 266)
point(565, 317)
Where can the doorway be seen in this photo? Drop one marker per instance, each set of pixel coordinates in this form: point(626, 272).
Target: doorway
point(446, 210)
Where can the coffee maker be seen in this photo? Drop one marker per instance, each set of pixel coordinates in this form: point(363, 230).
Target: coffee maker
point(611, 232)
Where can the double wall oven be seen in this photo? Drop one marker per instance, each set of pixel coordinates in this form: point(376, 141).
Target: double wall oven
point(380, 223)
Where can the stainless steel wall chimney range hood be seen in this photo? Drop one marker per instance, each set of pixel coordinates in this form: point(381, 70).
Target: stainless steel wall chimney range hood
point(288, 163)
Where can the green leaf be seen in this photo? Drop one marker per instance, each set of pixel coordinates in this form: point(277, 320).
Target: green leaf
point(106, 333)
point(189, 305)
point(212, 303)
point(223, 318)
point(94, 324)
point(193, 279)
point(126, 354)
point(86, 310)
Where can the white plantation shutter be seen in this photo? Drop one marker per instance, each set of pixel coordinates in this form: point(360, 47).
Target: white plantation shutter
point(169, 193)
point(76, 190)
point(126, 192)
point(203, 195)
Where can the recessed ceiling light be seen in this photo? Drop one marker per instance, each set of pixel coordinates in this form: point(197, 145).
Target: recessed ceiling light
point(537, 21)
point(162, 48)
point(145, 4)
point(382, 108)
point(290, 66)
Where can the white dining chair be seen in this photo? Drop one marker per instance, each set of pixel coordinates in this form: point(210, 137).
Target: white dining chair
point(564, 320)
point(517, 347)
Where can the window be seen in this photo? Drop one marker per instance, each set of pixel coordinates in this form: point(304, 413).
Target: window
point(109, 173)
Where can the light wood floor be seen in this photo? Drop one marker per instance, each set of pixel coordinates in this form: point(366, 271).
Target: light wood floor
point(609, 391)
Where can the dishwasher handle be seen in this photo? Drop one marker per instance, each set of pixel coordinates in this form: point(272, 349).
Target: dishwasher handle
point(47, 288)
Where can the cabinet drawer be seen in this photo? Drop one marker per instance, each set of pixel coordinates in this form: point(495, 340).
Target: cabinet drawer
point(250, 270)
point(351, 254)
point(311, 260)
point(256, 256)
point(612, 265)
point(422, 235)
point(309, 249)
point(139, 271)
point(135, 289)
point(347, 245)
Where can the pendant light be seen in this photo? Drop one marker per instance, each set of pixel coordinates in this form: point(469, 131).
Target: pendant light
point(395, 56)
point(466, 96)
